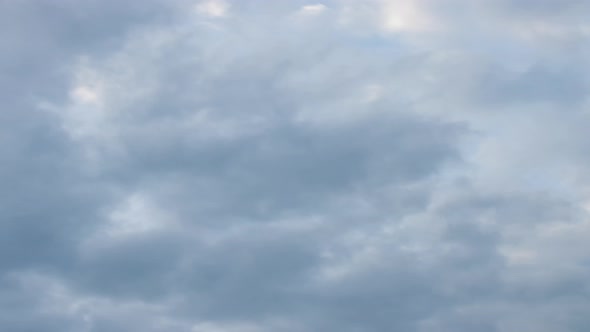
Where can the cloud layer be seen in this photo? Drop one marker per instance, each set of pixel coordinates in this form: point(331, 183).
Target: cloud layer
point(380, 165)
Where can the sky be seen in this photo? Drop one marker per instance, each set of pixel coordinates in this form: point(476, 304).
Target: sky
point(294, 166)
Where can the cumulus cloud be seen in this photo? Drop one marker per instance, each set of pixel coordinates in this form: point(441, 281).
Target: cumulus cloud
point(294, 166)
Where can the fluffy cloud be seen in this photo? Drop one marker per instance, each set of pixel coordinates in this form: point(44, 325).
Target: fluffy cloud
point(291, 166)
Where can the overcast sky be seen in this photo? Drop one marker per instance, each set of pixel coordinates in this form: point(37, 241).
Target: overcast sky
point(293, 166)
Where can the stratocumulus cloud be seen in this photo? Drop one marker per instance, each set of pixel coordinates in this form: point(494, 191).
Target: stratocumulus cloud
point(225, 165)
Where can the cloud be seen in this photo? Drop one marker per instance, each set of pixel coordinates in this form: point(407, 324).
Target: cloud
point(313, 9)
point(383, 165)
point(406, 16)
point(213, 8)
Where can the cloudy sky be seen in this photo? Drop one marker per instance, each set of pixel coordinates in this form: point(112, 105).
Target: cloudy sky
point(293, 166)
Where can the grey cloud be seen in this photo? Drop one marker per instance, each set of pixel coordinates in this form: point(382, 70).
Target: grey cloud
point(536, 85)
point(271, 171)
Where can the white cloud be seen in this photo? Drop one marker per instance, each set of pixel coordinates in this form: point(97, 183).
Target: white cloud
point(213, 8)
point(85, 94)
point(373, 92)
point(313, 9)
point(407, 16)
point(136, 216)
